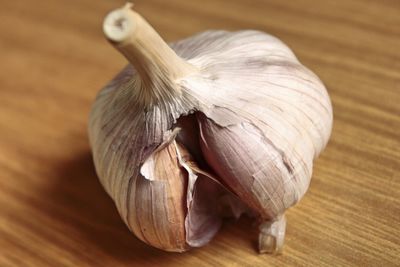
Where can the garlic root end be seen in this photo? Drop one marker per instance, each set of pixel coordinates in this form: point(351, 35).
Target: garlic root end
point(272, 235)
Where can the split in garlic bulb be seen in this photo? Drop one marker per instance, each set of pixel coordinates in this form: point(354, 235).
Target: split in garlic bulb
point(215, 125)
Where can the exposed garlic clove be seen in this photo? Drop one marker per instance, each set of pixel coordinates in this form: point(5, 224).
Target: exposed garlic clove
point(202, 220)
point(158, 201)
point(208, 201)
point(249, 165)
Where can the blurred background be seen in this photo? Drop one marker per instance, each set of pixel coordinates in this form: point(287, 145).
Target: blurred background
point(53, 61)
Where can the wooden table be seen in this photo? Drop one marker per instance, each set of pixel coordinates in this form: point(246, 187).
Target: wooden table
point(54, 59)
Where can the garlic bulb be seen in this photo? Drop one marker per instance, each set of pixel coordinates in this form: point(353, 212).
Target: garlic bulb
point(215, 125)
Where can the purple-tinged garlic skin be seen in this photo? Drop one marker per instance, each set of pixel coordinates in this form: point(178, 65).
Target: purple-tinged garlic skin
point(221, 115)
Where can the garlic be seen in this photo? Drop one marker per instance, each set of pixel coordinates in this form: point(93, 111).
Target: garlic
point(221, 123)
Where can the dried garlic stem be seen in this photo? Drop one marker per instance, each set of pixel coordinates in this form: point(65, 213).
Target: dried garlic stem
point(156, 63)
point(272, 236)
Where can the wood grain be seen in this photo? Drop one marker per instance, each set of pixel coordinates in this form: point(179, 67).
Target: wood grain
point(53, 211)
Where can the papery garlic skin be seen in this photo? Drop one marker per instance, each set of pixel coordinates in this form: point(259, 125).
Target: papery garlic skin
point(259, 120)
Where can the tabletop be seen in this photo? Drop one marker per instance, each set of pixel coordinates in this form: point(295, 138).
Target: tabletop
point(54, 59)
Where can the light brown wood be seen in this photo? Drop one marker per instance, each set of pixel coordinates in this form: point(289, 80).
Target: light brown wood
point(54, 59)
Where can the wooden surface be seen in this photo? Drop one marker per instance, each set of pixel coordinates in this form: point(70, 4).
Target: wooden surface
point(53, 211)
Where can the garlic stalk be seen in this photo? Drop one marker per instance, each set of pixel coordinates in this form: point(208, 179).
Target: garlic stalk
point(219, 123)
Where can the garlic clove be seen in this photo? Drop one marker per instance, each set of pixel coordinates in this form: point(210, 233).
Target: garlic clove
point(208, 201)
point(204, 219)
point(249, 165)
point(252, 167)
point(158, 201)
